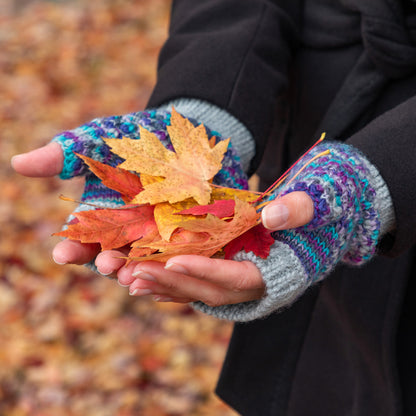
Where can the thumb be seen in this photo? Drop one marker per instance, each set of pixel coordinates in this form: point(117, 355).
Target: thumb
point(44, 161)
point(289, 211)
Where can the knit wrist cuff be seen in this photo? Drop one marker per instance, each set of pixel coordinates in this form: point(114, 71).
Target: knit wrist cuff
point(383, 202)
point(282, 288)
point(221, 121)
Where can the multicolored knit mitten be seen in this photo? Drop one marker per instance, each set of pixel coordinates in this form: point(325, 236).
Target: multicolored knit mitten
point(88, 141)
point(346, 191)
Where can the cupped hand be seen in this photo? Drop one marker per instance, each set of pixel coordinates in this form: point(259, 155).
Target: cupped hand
point(215, 282)
point(183, 278)
point(189, 278)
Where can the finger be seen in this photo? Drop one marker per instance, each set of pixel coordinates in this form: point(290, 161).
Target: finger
point(159, 293)
point(42, 162)
point(229, 274)
point(181, 285)
point(110, 261)
point(289, 211)
point(158, 298)
point(125, 274)
point(74, 252)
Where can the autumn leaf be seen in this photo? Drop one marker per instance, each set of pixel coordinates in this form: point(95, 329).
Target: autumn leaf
point(219, 233)
point(126, 183)
point(166, 219)
point(257, 240)
point(221, 192)
point(113, 228)
point(167, 215)
point(222, 208)
point(186, 172)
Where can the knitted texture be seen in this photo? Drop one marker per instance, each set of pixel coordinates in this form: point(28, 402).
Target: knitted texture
point(345, 227)
point(346, 224)
point(87, 140)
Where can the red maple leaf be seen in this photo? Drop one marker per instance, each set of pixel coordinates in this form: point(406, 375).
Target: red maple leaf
point(256, 239)
point(222, 208)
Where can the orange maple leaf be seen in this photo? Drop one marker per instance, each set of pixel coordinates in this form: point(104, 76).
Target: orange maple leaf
point(126, 183)
point(187, 171)
point(113, 228)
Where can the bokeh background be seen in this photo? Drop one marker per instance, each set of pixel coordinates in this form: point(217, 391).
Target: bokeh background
point(72, 343)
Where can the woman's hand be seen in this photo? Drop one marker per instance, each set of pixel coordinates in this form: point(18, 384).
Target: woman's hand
point(183, 278)
point(47, 161)
point(215, 282)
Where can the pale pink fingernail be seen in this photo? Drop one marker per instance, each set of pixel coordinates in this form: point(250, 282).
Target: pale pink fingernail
point(141, 292)
point(159, 298)
point(105, 272)
point(60, 262)
point(177, 268)
point(274, 216)
point(144, 275)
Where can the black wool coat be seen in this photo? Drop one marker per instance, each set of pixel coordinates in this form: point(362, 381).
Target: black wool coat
point(289, 70)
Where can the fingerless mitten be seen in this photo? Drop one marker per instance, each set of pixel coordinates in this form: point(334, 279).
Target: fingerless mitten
point(346, 191)
point(87, 140)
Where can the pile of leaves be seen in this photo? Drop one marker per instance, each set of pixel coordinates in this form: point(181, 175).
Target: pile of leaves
point(172, 207)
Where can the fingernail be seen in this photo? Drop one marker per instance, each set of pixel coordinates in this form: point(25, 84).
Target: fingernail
point(58, 262)
point(158, 298)
point(141, 292)
point(177, 268)
point(121, 284)
point(105, 272)
point(144, 275)
point(14, 158)
point(274, 216)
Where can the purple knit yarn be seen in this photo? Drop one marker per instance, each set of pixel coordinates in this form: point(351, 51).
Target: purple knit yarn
point(345, 226)
point(88, 141)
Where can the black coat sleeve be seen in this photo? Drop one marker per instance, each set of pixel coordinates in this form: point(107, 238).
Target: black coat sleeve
point(389, 143)
point(232, 53)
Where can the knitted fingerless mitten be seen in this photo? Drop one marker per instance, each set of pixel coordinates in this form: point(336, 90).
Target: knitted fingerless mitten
point(344, 188)
point(87, 140)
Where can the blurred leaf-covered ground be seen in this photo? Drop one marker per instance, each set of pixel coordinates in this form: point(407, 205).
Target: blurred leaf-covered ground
point(73, 343)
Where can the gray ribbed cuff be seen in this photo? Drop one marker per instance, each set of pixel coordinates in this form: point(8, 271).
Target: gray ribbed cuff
point(285, 280)
point(220, 121)
point(383, 202)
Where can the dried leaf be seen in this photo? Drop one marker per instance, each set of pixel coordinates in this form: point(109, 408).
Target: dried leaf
point(219, 233)
point(257, 240)
point(222, 209)
point(120, 180)
point(166, 219)
point(112, 228)
point(186, 172)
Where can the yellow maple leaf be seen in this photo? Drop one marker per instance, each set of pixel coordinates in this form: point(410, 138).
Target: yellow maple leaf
point(186, 172)
point(168, 221)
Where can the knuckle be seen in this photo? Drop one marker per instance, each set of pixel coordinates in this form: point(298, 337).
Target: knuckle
point(170, 284)
point(244, 279)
